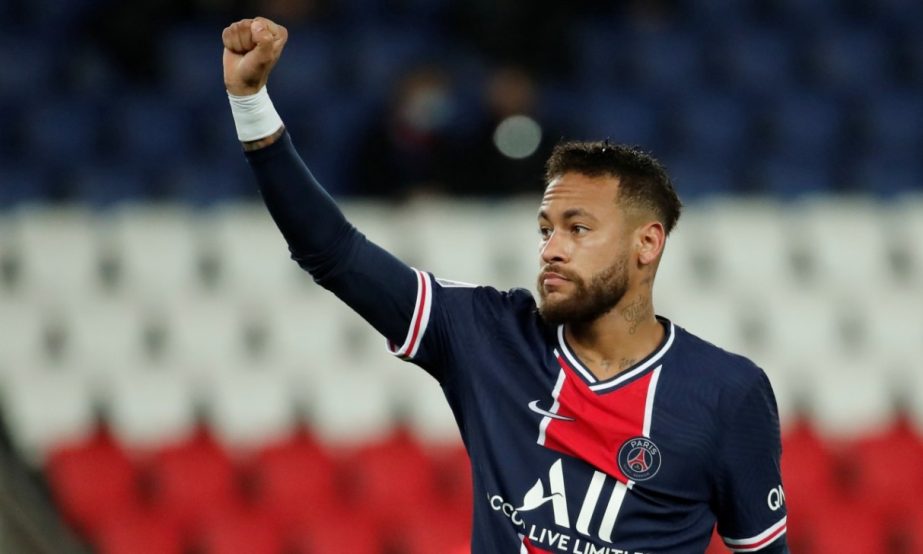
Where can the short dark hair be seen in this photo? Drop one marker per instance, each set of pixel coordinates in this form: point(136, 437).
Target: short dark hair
point(643, 181)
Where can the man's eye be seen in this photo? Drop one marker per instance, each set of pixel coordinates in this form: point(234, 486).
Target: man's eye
point(545, 232)
point(580, 229)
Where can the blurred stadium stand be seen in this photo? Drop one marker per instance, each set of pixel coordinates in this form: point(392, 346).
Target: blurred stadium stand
point(171, 382)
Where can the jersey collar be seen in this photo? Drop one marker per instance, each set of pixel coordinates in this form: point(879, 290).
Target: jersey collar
point(648, 363)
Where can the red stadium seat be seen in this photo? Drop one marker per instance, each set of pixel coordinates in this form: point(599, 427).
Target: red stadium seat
point(847, 529)
point(809, 474)
point(336, 531)
point(295, 479)
point(239, 531)
point(140, 532)
point(193, 479)
point(91, 482)
point(435, 531)
point(392, 479)
point(887, 470)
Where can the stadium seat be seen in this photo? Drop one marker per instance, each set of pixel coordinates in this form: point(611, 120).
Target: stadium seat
point(92, 482)
point(844, 245)
point(241, 530)
point(47, 407)
point(140, 532)
point(624, 118)
point(852, 396)
point(811, 473)
point(150, 406)
point(804, 127)
point(749, 243)
point(792, 178)
point(427, 413)
point(888, 175)
point(713, 126)
point(866, 531)
point(51, 239)
point(886, 469)
point(888, 122)
point(295, 480)
point(106, 336)
point(332, 409)
point(25, 325)
point(34, 61)
point(150, 132)
point(22, 185)
point(192, 481)
point(850, 60)
point(760, 60)
point(250, 406)
point(335, 530)
point(391, 478)
point(663, 57)
point(188, 58)
point(64, 132)
point(697, 179)
point(207, 184)
point(106, 185)
point(156, 250)
point(251, 254)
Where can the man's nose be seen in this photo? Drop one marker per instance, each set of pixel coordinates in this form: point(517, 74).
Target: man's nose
point(554, 249)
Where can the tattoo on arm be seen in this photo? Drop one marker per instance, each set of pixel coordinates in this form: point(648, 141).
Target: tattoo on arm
point(263, 142)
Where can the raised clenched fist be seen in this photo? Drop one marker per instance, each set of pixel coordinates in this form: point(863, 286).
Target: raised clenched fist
point(251, 49)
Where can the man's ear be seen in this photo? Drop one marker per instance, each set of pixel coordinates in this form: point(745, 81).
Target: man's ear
point(651, 237)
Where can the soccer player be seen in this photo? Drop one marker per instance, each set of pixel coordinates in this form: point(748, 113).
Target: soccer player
point(593, 425)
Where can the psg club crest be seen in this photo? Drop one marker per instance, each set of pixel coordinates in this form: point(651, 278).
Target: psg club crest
point(639, 458)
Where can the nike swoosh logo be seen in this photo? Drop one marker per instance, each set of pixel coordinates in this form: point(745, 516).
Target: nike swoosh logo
point(534, 407)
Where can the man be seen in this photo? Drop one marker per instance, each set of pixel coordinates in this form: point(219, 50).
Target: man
point(593, 425)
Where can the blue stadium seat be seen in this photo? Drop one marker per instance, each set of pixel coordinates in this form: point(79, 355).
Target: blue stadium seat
point(889, 175)
point(761, 60)
point(151, 132)
point(382, 53)
point(713, 125)
point(28, 64)
point(22, 185)
point(805, 125)
point(312, 63)
point(850, 59)
point(793, 178)
point(205, 185)
point(601, 52)
point(106, 186)
point(623, 118)
point(695, 178)
point(191, 60)
point(66, 131)
point(662, 60)
point(894, 123)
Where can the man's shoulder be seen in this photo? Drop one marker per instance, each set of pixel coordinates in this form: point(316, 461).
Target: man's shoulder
point(705, 360)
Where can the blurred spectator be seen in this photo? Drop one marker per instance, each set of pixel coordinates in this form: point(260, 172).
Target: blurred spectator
point(409, 147)
point(507, 153)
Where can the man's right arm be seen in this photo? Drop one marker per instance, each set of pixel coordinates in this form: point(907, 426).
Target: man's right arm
point(381, 288)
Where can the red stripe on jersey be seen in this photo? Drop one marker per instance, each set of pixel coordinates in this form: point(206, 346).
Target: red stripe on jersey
point(423, 283)
point(602, 422)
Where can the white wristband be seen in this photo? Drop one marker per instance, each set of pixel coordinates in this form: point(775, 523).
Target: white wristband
point(254, 115)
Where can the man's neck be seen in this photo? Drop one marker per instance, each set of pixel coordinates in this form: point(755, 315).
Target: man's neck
point(619, 339)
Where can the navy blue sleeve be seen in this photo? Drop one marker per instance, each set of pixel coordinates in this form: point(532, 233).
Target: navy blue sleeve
point(750, 501)
point(382, 289)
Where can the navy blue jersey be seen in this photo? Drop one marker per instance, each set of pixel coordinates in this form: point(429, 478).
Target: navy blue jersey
point(645, 462)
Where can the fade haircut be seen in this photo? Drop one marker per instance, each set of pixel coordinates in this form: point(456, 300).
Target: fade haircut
point(643, 181)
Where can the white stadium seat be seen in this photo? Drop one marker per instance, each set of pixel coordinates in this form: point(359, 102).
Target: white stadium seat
point(350, 407)
point(158, 251)
point(251, 406)
point(59, 252)
point(253, 257)
point(24, 325)
point(845, 244)
point(851, 397)
point(149, 406)
point(45, 408)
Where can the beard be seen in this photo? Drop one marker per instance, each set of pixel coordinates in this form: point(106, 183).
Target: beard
point(590, 299)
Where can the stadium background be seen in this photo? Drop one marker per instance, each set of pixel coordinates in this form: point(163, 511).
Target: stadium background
point(170, 382)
